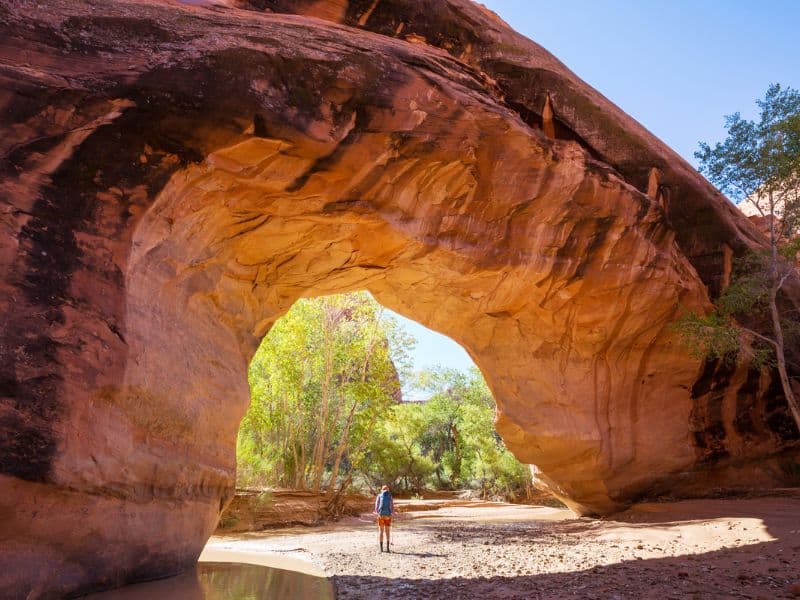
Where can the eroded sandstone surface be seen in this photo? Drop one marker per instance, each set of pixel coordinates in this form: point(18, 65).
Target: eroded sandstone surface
point(175, 175)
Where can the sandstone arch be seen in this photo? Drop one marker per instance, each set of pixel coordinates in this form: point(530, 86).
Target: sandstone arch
point(174, 177)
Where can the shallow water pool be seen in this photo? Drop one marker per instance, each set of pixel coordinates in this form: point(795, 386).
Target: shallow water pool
point(227, 581)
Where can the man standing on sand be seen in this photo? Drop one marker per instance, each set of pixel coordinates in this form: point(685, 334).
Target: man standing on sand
point(384, 508)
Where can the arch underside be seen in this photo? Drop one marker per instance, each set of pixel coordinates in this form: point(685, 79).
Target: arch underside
point(187, 197)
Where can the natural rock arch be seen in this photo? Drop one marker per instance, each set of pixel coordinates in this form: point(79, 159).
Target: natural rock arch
point(175, 177)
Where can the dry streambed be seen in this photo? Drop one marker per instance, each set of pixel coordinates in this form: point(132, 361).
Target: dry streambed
point(743, 548)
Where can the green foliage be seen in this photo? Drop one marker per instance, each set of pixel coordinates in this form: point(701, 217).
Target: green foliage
point(791, 249)
point(718, 334)
point(713, 336)
point(318, 382)
point(394, 455)
point(758, 157)
point(324, 410)
point(447, 442)
point(758, 163)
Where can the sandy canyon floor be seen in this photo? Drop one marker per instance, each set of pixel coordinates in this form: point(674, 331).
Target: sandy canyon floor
point(727, 548)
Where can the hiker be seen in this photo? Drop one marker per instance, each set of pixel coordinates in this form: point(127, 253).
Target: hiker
point(384, 508)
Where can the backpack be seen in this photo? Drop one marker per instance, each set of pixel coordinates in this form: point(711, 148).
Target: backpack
point(385, 504)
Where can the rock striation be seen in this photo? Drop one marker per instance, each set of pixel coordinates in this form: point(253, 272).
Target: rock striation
point(175, 175)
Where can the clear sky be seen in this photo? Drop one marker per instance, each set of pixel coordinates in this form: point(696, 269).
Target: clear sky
point(676, 66)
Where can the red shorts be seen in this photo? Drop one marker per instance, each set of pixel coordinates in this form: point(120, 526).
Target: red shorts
point(387, 521)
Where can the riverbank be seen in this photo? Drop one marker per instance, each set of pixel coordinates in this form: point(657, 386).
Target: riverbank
point(258, 510)
point(726, 548)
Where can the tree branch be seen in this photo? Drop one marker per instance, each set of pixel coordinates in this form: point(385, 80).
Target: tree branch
point(763, 338)
point(783, 279)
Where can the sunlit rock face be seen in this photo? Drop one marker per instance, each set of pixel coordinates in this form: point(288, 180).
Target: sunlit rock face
point(175, 176)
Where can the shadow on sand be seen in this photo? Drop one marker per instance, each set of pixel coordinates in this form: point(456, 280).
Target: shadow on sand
point(767, 570)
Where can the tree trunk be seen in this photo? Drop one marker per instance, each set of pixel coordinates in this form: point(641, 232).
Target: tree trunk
point(775, 284)
point(791, 399)
point(292, 443)
point(300, 472)
point(457, 456)
point(357, 449)
point(343, 442)
point(318, 459)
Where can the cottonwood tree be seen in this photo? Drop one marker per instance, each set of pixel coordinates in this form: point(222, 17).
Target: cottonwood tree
point(446, 442)
point(758, 165)
point(319, 381)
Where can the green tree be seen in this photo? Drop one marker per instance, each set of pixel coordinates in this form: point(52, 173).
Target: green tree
point(319, 381)
point(758, 164)
point(396, 451)
point(446, 442)
point(460, 410)
point(325, 411)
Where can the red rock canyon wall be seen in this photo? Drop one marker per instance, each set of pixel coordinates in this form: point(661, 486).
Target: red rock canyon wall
point(174, 177)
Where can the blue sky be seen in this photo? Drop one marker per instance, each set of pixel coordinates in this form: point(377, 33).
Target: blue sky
point(676, 66)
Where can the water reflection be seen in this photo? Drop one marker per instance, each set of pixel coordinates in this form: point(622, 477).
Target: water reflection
point(227, 581)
